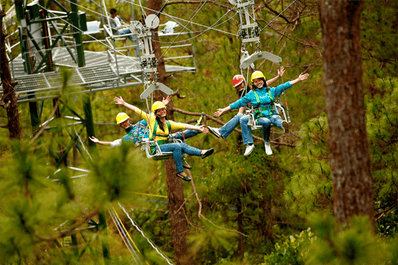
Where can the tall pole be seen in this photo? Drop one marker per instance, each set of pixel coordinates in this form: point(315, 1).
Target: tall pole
point(28, 62)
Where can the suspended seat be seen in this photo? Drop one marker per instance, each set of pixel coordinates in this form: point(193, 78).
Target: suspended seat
point(253, 121)
point(152, 149)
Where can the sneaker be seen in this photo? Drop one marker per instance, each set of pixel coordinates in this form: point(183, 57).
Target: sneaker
point(214, 131)
point(185, 164)
point(285, 126)
point(267, 146)
point(207, 153)
point(199, 122)
point(249, 149)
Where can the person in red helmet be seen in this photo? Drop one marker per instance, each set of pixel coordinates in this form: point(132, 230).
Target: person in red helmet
point(240, 84)
point(262, 97)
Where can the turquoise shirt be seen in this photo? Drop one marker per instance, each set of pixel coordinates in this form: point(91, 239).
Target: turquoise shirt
point(265, 100)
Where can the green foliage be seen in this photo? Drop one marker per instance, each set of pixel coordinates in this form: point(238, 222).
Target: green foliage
point(382, 127)
point(294, 249)
point(310, 187)
point(266, 192)
point(353, 243)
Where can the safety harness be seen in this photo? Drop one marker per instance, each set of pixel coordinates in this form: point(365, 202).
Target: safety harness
point(269, 106)
point(160, 142)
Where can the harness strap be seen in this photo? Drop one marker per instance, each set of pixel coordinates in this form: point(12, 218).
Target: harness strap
point(155, 128)
point(160, 142)
point(269, 107)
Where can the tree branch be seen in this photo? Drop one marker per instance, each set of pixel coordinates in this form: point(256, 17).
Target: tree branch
point(69, 231)
point(277, 13)
point(176, 93)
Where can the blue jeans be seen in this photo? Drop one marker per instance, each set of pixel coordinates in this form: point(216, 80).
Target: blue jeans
point(266, 127)
point(126, 31)
point(230, 125)
point(186, 134)
point(177, 150)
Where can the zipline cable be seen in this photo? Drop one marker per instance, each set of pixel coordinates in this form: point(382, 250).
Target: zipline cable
point(185, 26)
point(278, 15)
point(142, 233)
point(124, 228)
point(123, 238)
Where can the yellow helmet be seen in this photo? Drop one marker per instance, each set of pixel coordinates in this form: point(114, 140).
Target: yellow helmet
point(257, 74)
point(157, 105)
point(122, 117)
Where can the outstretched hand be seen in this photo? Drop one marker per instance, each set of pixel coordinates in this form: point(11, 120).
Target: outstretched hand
point(281, 71)
point(166, 100)
point(93, 139)
point(218, 113)
point(119, 100)
point(303, 76)
point(204, 129)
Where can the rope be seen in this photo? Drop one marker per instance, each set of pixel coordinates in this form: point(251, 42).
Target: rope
point(76, 28)
point(142, 233)
point(209, 28)
point(184, 20)
point(123, 238)
point(278, 15)
point(124, 228)
point(184, 27)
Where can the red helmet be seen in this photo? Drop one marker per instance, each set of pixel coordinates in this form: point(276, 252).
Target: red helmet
point(237, 80)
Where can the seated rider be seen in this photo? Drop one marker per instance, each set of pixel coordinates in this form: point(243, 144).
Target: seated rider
point(159, 130)
point(135, 132)
point(242, 89)
point(118, 26)
point(262, 98)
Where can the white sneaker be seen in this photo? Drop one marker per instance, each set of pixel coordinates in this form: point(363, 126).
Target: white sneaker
point(267, 146)
point(215, 131)
point(249, 149)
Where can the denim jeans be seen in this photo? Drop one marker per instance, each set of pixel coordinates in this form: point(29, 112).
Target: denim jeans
point(266, 122)
point(186, 134)
point(266, 127)
point(126, 31)
point(230, 125)
point(177, 150)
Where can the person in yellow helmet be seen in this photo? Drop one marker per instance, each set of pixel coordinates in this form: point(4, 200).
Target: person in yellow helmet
point(242, 88)
point(133, 131)
point(262, 98)
point(138, 130)
point(160, 129)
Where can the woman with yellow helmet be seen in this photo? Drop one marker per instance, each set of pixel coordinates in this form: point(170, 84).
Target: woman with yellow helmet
point(137, 131)
point(262, 98)
point(160, 129)
point(239, 82)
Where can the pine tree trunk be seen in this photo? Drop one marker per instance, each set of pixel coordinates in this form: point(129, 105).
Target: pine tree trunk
point(175, 190)
point(9, 98)
point(350, 158)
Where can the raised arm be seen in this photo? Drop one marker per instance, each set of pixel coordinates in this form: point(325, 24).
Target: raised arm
point(301, 77)
point(281, 71)
point(120, 101)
